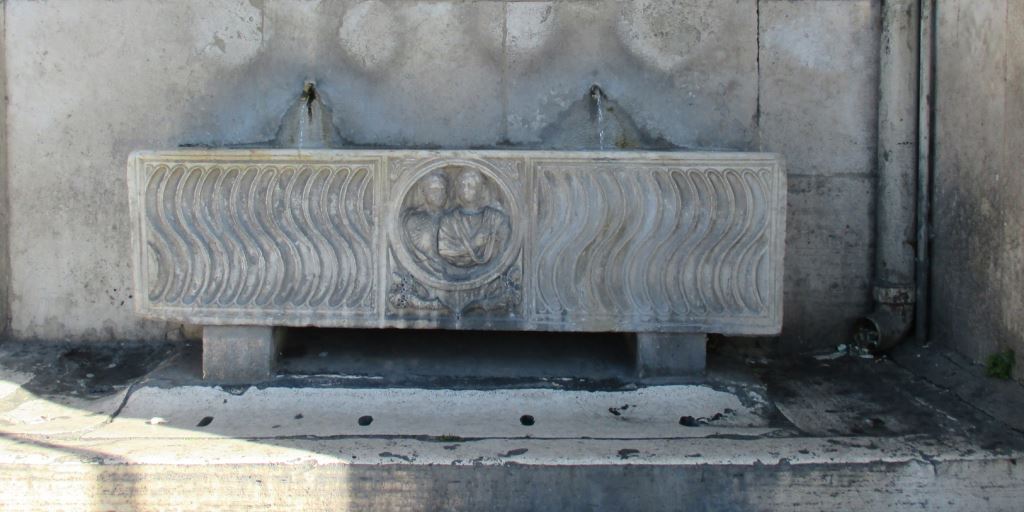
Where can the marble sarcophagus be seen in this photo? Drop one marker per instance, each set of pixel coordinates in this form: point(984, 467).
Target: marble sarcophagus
point(648, 242)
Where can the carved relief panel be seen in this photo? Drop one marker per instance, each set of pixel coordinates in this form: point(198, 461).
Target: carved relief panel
point(281, 238)
point(455, 237)
point(540, 240)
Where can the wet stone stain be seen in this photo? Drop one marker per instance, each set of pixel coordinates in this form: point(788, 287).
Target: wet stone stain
point(396, 456)
point(617, 411)
point(513, 453)
point(88, 371)
point(688, 421)
point(628, 453)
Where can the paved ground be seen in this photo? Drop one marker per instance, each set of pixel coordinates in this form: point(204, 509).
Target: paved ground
point(423, 421)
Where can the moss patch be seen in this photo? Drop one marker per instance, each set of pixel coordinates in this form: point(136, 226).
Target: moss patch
point(1000, 365)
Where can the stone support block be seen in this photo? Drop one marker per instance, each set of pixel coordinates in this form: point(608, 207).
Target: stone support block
point(240, 354)
point(670, 355)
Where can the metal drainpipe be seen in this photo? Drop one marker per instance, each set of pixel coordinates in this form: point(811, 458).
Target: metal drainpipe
point(896, 186)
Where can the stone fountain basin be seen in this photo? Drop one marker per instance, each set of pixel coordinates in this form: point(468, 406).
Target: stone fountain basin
point(672, 242)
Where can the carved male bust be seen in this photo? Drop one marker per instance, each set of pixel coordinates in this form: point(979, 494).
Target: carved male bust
point(473, 232)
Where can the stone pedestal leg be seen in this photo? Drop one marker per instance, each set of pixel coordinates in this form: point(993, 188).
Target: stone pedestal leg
point(669, 355)
point(240, 354)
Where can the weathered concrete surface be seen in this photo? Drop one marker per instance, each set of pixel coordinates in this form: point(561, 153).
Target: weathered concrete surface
point(818, 97)
point(962, 378)
point(818, 65)
point(828, 257)
point(276, 412)
point(359, 474)
point(453, 74)
point(978, 210)
point(801, 434)
point(5, 264)
point(685, 70)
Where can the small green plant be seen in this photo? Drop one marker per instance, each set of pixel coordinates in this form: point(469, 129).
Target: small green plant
point(1000, 365)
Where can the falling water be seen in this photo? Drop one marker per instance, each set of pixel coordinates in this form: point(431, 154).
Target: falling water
point(598, 104)
point(303, 126)
point(306, 121)
point(597, 121)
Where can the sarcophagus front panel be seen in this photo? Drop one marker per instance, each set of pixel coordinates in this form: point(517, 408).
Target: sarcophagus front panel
point(536, 240)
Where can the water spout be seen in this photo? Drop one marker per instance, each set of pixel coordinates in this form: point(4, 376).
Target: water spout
point(308, 123)
point(597, 122)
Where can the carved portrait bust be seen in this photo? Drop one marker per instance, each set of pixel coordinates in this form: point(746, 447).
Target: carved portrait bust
point(453, 224)
point(420, 222)
point(472, 232)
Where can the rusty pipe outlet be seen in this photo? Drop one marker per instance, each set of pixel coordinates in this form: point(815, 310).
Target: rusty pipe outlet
point(890, 321)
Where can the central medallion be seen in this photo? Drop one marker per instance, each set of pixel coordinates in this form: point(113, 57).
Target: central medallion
point(454, 230)
point(454, 224)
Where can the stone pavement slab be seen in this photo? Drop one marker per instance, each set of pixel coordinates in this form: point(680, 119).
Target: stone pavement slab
point(758, 433)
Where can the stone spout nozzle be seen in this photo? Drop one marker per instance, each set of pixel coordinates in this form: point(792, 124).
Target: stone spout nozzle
point(309, 96)
point(308, 122)
point(596, 121)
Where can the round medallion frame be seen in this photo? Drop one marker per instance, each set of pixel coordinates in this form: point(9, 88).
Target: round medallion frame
point(512, 210)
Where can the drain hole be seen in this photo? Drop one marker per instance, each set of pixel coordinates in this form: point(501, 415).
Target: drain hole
point(205, 421)
point(688, 421)
point(365, 420)
point(526, 420)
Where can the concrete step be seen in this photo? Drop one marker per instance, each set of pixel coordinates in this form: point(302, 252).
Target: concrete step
point(660, 412)
point(136, 429)
point(212, 473)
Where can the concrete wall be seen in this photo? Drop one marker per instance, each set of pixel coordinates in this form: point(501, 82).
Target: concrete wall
point(90, 81)
point(818, 105)
point(978, 269)
point(5, 267)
